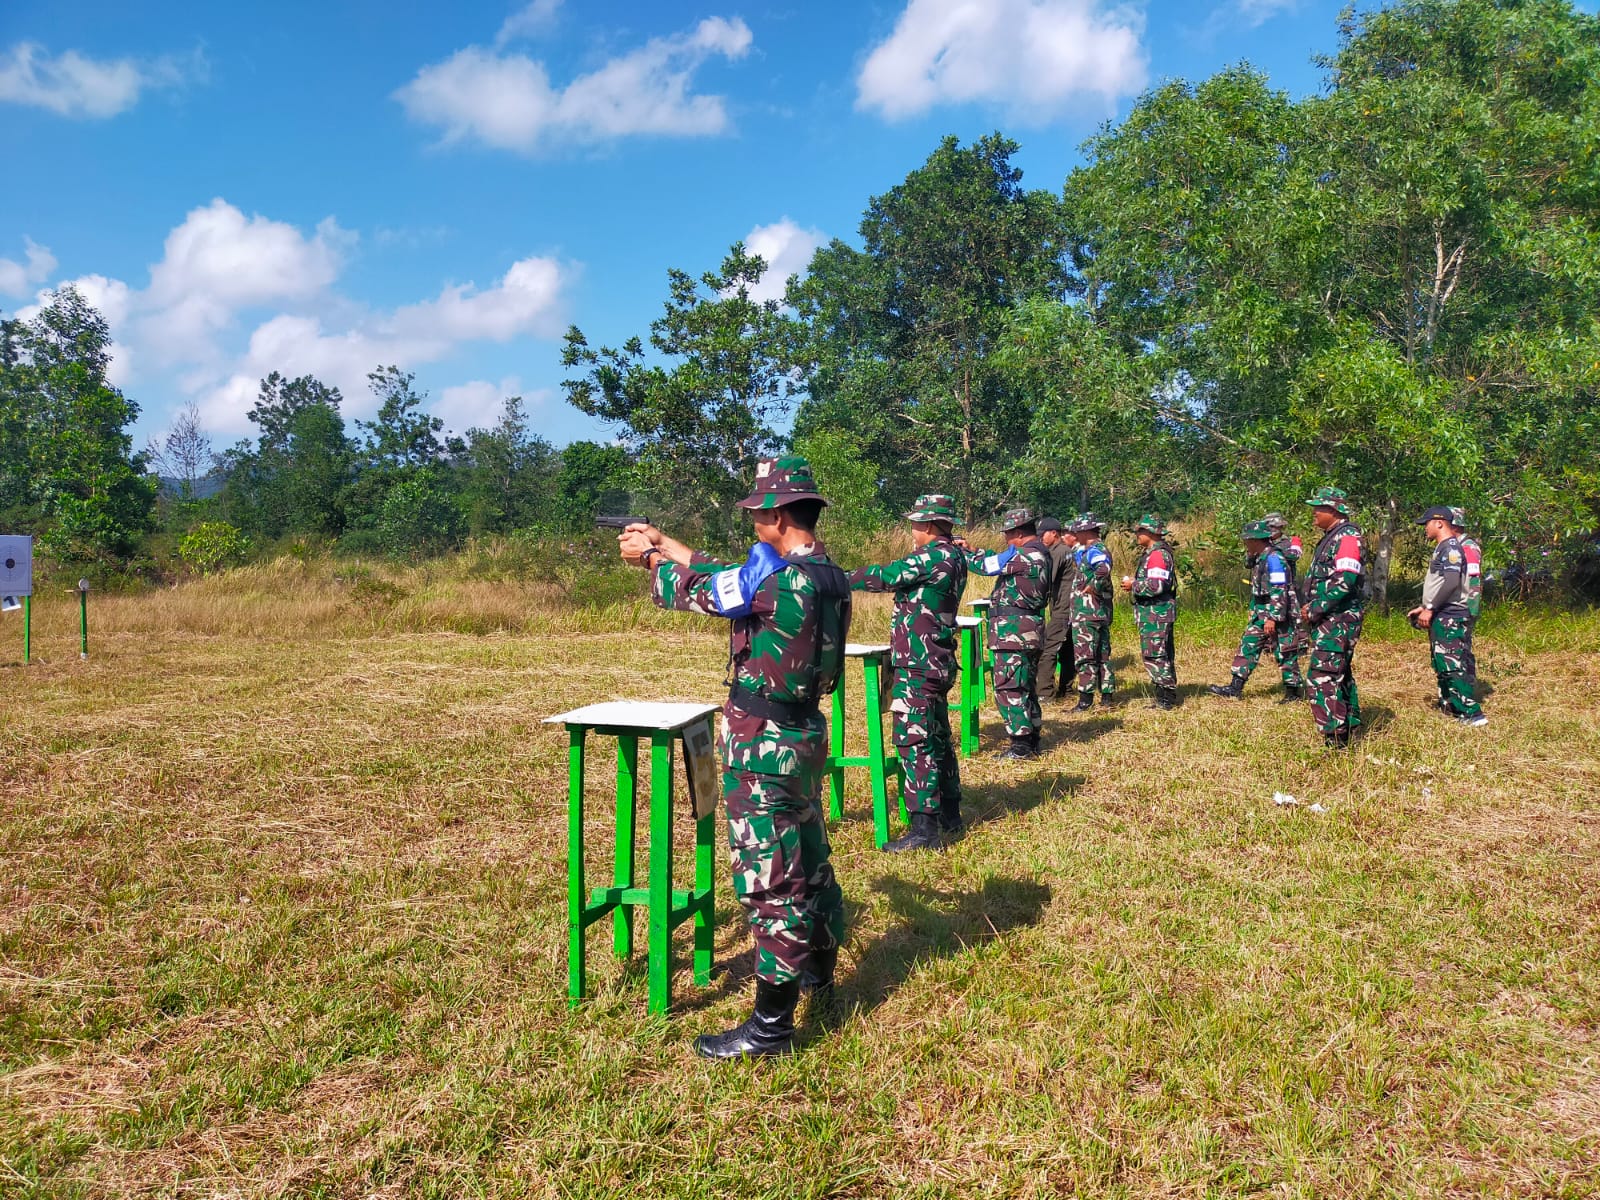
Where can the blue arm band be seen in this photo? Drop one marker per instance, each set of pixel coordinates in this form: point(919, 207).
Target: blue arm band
point(996, 563)
point(735, 589)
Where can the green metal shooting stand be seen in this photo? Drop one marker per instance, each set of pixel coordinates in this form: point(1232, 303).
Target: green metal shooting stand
point(663, 725)
point(878, 759)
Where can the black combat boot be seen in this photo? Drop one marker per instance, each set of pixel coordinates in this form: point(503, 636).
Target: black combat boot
point(1292, 694)
point(950, 822)
point(1166, 699)
point(1020, 748)
point(1233, 689)
point(1337, 740)
point(924, 835)
point(1033, 743)
point(769, 1031)
point(1085, 701)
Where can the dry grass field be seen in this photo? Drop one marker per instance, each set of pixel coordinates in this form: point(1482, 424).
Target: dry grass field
point(282, 914)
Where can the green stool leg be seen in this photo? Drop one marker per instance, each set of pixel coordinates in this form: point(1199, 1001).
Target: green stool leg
point(660, 949)
point(836, 752)
point(968, 716)
point(627, 793)
point(894, 760)
point(875, 755)
point(704, 883)
point(575, 898)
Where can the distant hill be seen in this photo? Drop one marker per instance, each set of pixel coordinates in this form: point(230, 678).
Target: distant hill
point(203, 488)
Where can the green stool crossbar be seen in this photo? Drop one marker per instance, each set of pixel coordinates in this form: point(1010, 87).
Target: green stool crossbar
point(661, 725)
point(878, 760)
point(970, 712)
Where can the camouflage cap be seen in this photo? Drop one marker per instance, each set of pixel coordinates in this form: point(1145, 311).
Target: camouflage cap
point(1458, 517)
point(932, 506)
point(1151, 523)
point(1088, 523)
point(1016, 518)
point(1330, 497)
point(1275, 520)
point(781, 481)
point(1257, 529)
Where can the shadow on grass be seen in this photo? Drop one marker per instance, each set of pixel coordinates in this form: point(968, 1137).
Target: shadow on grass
point(932, 924)
point(1081, 729)
point(1375, 718)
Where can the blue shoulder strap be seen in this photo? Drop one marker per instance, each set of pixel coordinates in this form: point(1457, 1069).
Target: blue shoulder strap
point(735, 589)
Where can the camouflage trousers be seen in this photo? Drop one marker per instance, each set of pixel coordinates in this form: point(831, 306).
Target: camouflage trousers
point(1283, 643)
point(1057, 649)
point(922, 738)
point(1334, 702)
point(1450, 640)
point(1091, 648)
point(781, 872)
point(1156, 623)
point(1016, 676)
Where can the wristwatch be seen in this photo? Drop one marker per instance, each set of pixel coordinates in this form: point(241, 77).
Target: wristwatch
point(644, 559)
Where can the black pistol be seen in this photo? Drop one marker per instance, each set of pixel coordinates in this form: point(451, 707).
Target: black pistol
point(619, 522)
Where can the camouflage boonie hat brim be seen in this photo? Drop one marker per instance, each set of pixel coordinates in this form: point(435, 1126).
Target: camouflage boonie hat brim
point(1150, 523)
point(934, 507)
point(1259, 530)
point(781, 481)
point(1274, 520)
point(1330, 497)
point(1088, 523)
point(1016, 518)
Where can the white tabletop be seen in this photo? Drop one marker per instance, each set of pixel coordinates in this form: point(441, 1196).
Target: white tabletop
point(635, 714)
point(970, 622)
point(863, 649)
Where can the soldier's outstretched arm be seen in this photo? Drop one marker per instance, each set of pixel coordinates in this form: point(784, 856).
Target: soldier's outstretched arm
point(733, 591)
point(981, 562)
point(913, 569)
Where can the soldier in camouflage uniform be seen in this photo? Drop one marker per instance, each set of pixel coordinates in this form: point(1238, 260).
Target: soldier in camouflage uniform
point(1274, 616)
point(1471, 585)
point(1154, 588)
point(790, 611)
point(1446, 613)
point(1063, 545)
point(927, 586)
point(1091, 614)
point(1336, 590)
point(1292, 549)
point(1016, 627)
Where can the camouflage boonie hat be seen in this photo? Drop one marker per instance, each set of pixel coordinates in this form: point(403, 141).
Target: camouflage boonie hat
point(1330, 497)
point(1088, 523)
point(1275, 520)
point(781, 481)
point(1151, 523)
point(1458, 517)
point(1257, 529)
point(934, 507)
point(1016, 518)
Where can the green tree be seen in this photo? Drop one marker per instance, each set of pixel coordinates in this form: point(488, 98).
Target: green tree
point(508, 472)
point(699, 409)
point(67, 468)
point(902, 333)
point(296, 477)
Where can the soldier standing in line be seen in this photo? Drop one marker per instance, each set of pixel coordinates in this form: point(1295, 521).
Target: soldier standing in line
point(927, 586)
point(1154, 588)
point(790, 611)
point(1062, 544)
point(1274, 616)
point(1291, 548)
point(1016, 627)
point(1445, 614)
point(1335, 603)
point(1472, 586)
point(1091, 614)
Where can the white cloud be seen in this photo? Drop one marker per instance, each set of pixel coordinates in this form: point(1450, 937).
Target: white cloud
point(528, 21)
point(787, 249)
point(218, 261)
point(1037, 57)
point(478, 403)
point(1251, 14)
point(75, 86)
point(526, 301)
point(507, 101)
point(17, 277)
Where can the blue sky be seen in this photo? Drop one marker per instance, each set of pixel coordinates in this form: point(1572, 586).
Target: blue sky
point(326, 187)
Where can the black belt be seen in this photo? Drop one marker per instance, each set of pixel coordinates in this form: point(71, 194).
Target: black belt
point(781, 711)
point(1155, 599)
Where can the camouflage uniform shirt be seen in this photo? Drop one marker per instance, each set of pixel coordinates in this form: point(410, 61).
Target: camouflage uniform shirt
point(927, 586)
